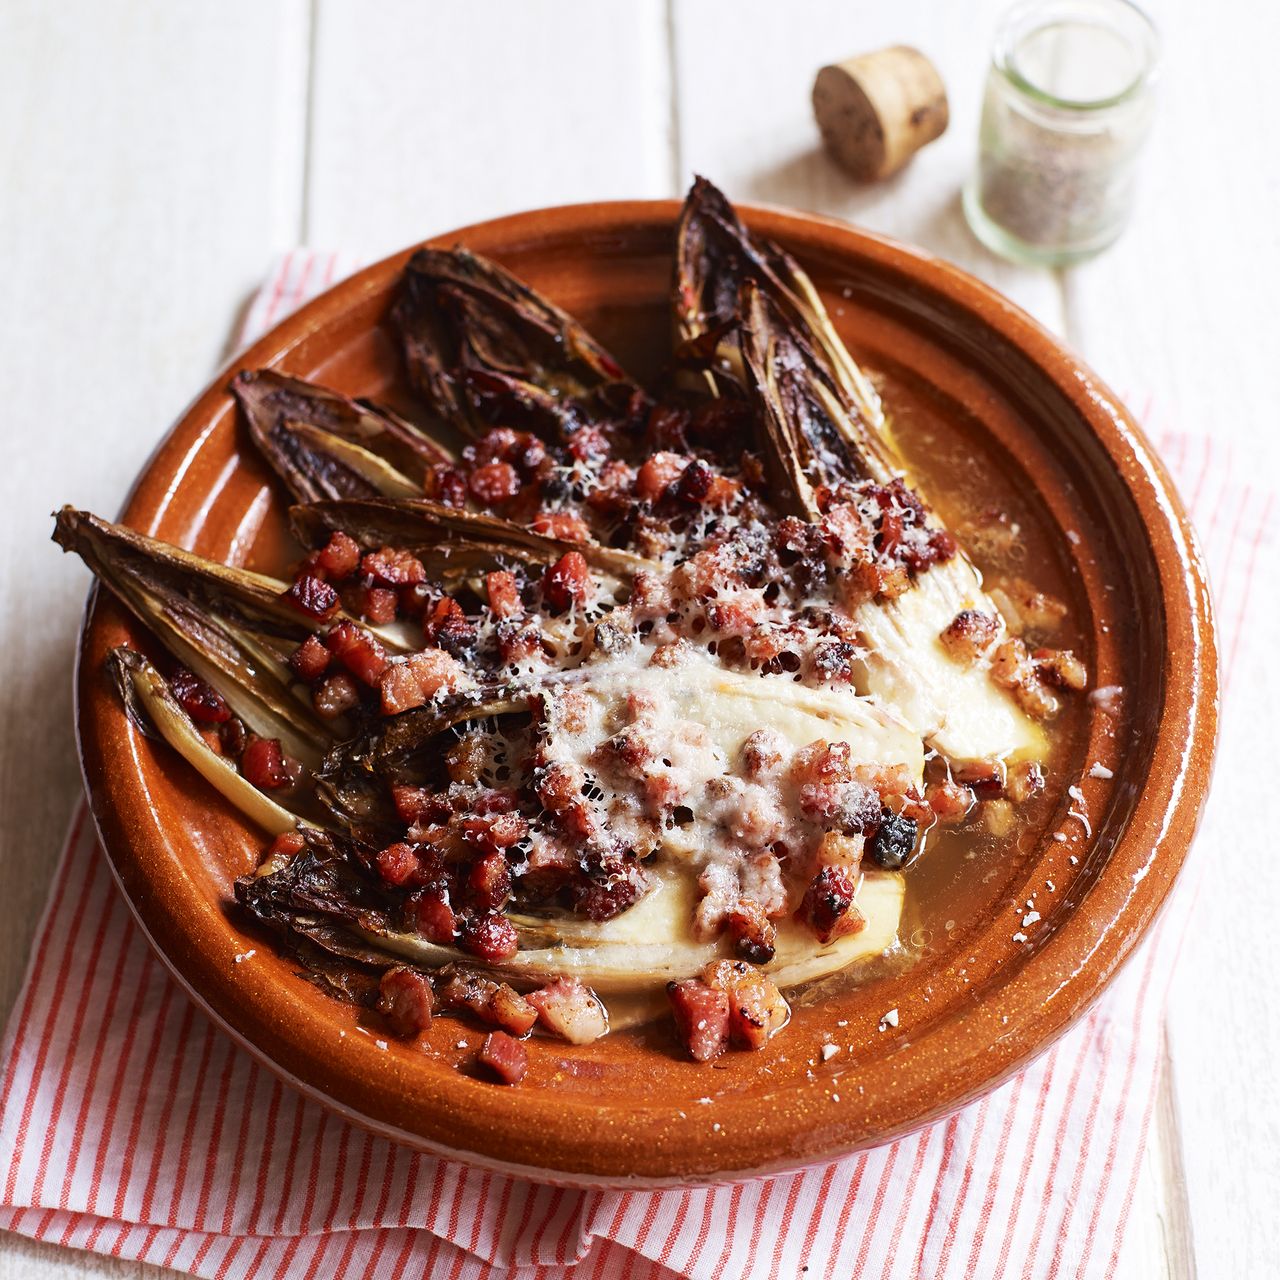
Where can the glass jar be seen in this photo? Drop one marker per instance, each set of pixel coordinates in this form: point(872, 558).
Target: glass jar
point(1067, 107)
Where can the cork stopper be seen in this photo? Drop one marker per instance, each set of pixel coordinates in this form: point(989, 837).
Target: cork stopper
point(877, 110)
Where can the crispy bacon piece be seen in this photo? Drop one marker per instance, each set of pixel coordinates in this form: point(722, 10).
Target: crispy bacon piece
point(657, 473)
point(757, 1009)
point(970, 634)
point(950, 800)
point(378, 605)
point(702, 1018)
point(493, 1002)
point(336, 696)
point(433, 916)
point(566, 525)
point(310, 659)
point(413, 681)
point(828, 907)
point(571, 1011)
point(1061, 668)
point(490, 937)
point(508, 1059)
point(405, 1000)
point(201, 701)
point(397, 864)
point(313, 597)
point(753, 933)
point(390, 567)
point(265, 765)
point(339, 557)
point(494, 483)
point(567, 582)
point(504, 594)
point(358, 651)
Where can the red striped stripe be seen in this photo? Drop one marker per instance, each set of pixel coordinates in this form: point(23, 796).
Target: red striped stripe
point(38, 960)
point(1067, 1117)
point(948, 1151)
point(98, 1038)
point(877, 1203)
point(188, 1129)
point(46, 1035)
point(953, 1223)
point(997, 1169)
point(96, 947)
point(123, 1065)
point(923, 1142)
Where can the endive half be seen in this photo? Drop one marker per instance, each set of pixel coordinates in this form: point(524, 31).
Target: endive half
point(822, 424)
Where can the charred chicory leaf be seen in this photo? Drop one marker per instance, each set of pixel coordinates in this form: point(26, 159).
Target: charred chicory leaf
point(326, 445)
point(482, 346)
point(715, 257)
point(230, 626)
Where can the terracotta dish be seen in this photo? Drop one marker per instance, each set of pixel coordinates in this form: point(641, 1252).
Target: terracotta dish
point(992, 990)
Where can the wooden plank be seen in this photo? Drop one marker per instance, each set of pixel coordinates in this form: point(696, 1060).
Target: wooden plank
point(151, 159)
point(426, 117)
point(747, 124)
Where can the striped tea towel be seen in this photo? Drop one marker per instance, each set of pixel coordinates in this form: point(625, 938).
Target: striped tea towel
point(132, 1127)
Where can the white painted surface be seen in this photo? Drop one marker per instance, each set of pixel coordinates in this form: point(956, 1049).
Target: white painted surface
point(153, 156)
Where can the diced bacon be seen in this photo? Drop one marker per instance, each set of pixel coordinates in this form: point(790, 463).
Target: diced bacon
point(417, 804)
point(838, 850)
point(657, 473)
point(494, 483)
point(567, 582)
point(448, 627)
point(491, 937)
point(518, 643)
point(313, 597)
point(719, 884)
point(378, 605)
point(949, 800)
point(565, 525)
point(1060, 667)
point(336, 696)
point(701, 1016)
point(391, 567)
point(339, 557)
point(447, 485)
point(310, 659)
point(265, 765)
point(1023, 781)
point(397, 864)
point(571, 1011)
point(828, 907)
point(287, 845)
point(488, 882)
point(433, 916)
point(753, 933)
point(201, 701)
point(970, 634)
point(493, 1002)
point(762, 753)
point(757, 1009)
point(413, 681)
point(508, 1059)
point(504, 595)
point(358, 651)
point(405, 1000)
point(496, 832)
point(550, 866)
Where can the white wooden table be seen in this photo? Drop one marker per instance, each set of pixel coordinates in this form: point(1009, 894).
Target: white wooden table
point(155, 154)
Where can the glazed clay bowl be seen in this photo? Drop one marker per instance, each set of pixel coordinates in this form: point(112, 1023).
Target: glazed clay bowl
point(629, 1109)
